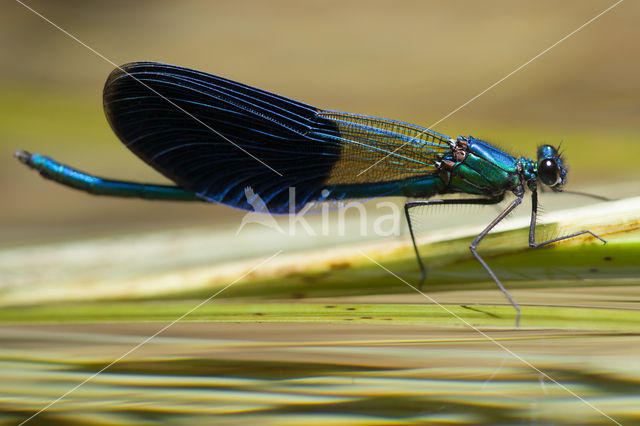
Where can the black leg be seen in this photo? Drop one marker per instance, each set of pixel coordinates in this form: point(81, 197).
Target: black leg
point(474, 245)
point(532, 226)
point(411, 204)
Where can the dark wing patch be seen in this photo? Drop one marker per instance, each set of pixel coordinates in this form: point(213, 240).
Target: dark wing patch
point(203, 132)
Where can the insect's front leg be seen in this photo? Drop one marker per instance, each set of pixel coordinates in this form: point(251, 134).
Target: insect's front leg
point(412, 204)
point(532, 226)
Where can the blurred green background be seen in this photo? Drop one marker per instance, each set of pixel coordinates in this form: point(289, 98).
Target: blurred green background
point(413, 61)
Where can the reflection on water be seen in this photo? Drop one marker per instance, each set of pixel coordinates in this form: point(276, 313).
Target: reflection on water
point(226, 373)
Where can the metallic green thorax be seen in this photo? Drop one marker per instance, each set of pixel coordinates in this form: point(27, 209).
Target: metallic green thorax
point(479, 168)
point(471, 166)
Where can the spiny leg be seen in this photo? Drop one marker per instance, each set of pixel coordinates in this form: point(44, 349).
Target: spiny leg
point(474, 245)
point(512, 206)
point(410, 204)
point(532, 226)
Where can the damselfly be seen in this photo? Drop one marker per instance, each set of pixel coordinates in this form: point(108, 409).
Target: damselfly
point(215, 137)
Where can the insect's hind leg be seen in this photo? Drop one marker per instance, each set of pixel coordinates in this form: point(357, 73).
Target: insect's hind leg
point(411, 204)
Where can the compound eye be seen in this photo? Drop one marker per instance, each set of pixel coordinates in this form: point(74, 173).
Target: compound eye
point(549, 172)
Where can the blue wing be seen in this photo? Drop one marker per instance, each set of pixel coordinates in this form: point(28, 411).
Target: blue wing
point(216, 137)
